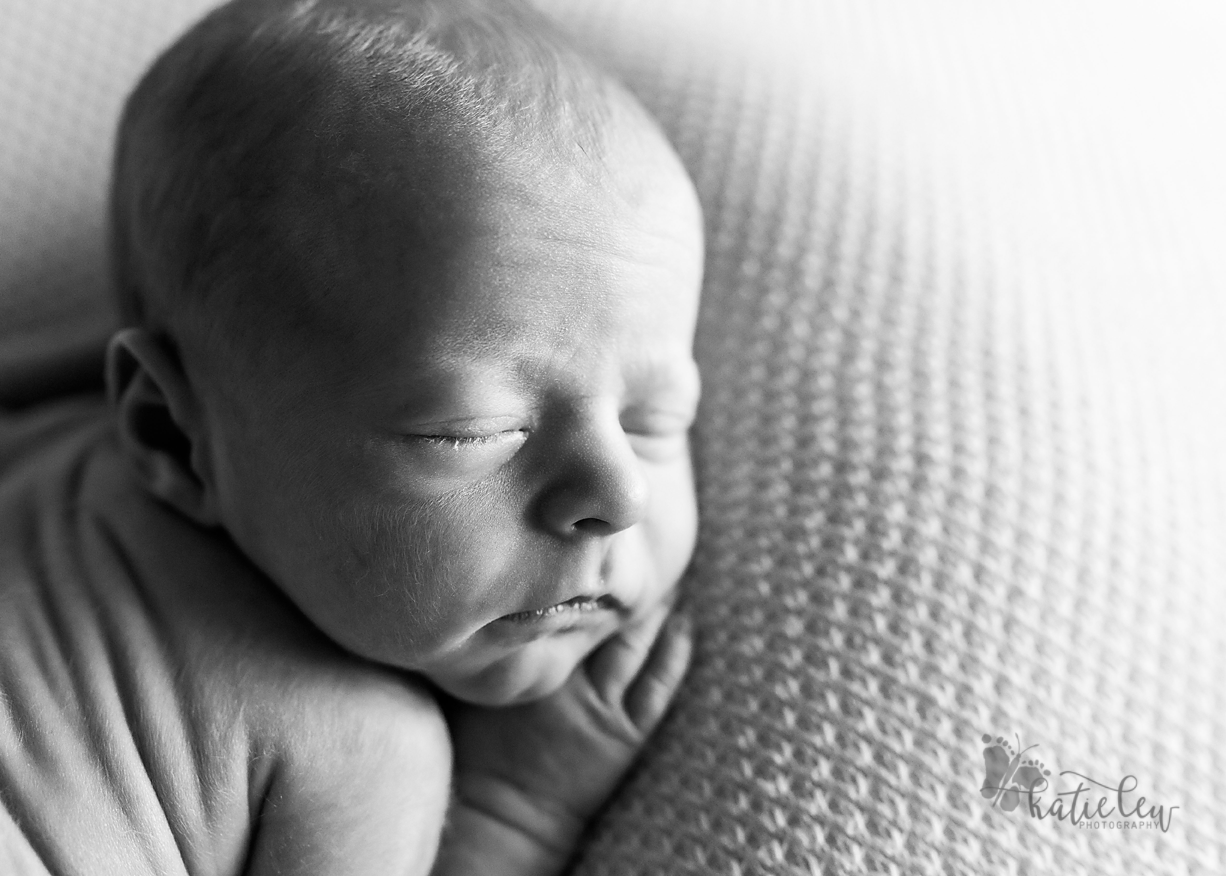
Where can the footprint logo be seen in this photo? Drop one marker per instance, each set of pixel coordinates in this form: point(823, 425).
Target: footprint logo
point(1006, 777)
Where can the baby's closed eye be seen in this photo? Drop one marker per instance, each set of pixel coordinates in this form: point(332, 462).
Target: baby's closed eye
point(480, 431)
point(657, 435)
point(466, 450)
point(458, 441)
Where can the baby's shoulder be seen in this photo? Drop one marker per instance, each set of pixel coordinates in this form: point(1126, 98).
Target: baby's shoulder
point(325, 701)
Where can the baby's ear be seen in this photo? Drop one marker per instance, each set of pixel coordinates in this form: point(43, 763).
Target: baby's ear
point(159, 422)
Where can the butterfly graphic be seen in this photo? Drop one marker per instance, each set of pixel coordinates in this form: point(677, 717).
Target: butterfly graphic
point(1006, 776)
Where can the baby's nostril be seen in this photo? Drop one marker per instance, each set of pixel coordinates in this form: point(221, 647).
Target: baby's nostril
point(592, 526)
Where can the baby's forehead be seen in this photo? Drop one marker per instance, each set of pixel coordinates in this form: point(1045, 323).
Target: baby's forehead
point(409, 239)
point(376, 184)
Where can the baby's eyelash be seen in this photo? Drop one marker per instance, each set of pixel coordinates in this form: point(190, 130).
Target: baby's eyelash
point(458, 441)
point(455, 442)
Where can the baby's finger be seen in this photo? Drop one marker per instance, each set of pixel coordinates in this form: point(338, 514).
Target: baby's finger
point(653, 689)
point(615, 663)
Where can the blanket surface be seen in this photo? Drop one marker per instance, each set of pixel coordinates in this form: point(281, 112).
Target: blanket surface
point(960, 458)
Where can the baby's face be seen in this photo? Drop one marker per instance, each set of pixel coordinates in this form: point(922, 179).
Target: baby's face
point(481, 469)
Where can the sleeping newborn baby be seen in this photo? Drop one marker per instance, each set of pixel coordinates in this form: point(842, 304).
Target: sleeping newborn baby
point(398, 426)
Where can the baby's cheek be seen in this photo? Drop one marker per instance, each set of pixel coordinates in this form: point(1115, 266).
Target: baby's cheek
point(440, 564)
point(673, 524)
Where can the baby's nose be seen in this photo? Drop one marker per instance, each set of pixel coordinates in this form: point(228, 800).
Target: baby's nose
point(600, 487)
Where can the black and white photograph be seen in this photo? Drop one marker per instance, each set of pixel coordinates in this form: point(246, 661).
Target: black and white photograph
point(612, 438)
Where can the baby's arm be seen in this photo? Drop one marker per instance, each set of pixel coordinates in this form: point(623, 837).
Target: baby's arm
point(361, 789)
point(528, 778)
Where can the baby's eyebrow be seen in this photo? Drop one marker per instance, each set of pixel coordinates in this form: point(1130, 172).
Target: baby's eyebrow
point(437, 391)
point(434, 392)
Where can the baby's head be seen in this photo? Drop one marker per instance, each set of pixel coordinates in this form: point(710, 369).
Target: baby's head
point(411, 292)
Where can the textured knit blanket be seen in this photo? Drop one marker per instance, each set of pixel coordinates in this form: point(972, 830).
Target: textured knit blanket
point(962, 569)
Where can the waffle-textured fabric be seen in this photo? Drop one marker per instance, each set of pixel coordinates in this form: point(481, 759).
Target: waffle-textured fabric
point(960, 451)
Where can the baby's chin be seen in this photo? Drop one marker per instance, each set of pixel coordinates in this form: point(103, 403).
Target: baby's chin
point(532, 672)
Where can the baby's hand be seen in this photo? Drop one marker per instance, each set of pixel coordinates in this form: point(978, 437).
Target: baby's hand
point(528, 778)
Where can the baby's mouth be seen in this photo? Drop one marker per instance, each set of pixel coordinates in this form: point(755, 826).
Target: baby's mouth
point(571, 607)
